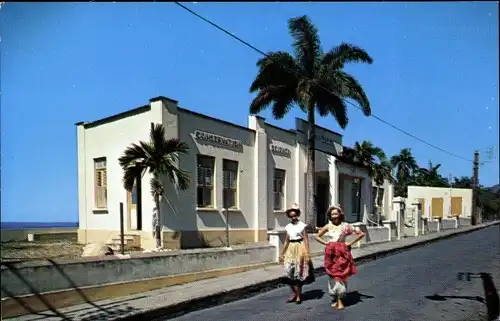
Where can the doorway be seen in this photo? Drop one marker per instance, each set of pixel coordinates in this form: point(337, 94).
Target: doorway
point(132, 218)
point(356, 199)
point(322, 199)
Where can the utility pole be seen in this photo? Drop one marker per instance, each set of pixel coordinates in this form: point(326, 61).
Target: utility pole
point(475, 186)
point(450, 180)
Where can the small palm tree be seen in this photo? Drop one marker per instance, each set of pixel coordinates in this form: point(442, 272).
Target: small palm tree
point(405, 165)
point(157, 157)
point(313, 80)
point(381, 171)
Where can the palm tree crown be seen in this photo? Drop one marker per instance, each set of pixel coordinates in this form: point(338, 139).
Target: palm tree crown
point(313, 80)
point(158, 157)
point(405, 165)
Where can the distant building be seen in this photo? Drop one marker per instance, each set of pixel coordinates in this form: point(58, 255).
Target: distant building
point(260, 169)
point(442, 202)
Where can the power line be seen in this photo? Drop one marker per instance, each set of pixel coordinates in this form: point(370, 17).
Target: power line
point(297, 74)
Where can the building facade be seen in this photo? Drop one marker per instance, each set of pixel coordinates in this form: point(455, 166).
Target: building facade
point(441, 202)
point(248, 175)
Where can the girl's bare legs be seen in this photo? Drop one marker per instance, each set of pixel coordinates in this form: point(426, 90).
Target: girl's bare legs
point(299, 294)
point(294, 295)
point(339, 289)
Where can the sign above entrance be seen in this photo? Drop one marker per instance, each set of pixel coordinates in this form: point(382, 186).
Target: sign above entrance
point(327, 141)
point(219, 140)
point(281, 151)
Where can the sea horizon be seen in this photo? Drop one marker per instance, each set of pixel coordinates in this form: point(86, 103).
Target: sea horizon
point(33, 225)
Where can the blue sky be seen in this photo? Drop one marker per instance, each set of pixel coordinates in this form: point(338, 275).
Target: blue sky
point(435, 74)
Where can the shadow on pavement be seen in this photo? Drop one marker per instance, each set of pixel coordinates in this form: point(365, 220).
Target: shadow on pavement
point(312, 295)
point(491, 298)
point(353, 298)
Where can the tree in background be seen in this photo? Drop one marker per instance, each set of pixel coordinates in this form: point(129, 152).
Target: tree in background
point(314, 81)
point(405, 165)
point(159, 157)
point(429, 176)
point(380, 168)
point(488, 198)
point(366, 153)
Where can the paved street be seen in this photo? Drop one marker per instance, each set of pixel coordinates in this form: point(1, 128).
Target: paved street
point(419, 284)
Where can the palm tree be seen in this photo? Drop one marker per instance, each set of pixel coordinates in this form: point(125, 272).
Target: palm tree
point(463, 182)
point(430, 176)
point(314, 81)
point(381, 171)
point(365, 152)
point(405, 165)
point(157, 157)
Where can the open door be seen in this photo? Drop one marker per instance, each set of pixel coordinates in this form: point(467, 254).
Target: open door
point(132, 209)
point(356, 199)
point(322, 200)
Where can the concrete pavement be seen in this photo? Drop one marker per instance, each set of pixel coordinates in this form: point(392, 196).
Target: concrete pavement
point(418, 284)
point(189, 297)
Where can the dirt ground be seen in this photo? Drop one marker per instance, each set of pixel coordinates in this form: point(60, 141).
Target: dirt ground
point(24, 251)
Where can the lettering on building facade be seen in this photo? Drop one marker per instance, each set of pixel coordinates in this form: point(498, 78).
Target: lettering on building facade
point(219, 140)
point(327, 141)
point(281, 151)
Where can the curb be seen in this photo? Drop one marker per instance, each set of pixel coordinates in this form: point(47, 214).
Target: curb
point(176, 310)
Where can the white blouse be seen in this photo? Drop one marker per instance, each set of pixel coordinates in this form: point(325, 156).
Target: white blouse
point(339, 233)
point(295, 231)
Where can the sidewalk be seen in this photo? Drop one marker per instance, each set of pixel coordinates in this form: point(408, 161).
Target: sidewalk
point(200, 294)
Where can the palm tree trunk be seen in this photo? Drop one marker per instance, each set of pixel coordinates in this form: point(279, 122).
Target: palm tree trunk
point(158, 222)
point(310, 218)
point(376, 205)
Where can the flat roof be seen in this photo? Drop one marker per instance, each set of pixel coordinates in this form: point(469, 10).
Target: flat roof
point(145, 108)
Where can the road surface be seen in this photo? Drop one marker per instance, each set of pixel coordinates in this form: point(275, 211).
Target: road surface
point(419, 284)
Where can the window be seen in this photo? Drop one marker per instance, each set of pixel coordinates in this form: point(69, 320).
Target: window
point(205, 178)
point(230, 183)
point(100, 183)
point(279, 189)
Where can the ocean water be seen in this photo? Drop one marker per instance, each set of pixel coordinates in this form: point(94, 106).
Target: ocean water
point(30, 225)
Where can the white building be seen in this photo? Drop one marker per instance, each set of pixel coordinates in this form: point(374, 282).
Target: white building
point(441, 202)
point(264, 167)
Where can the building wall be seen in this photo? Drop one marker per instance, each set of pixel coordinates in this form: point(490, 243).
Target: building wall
point(347, 173)
point(281, 154)
point(108, 140)
point(427, 193)
point(207, 226)
point(263, 148)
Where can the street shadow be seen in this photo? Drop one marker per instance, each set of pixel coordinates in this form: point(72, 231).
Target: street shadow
point(104, 311)
point(491, 298)
point(312, 295)
point(354, 297)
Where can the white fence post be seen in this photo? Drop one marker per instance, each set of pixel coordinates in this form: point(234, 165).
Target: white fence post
point(399, 204)
point(274, 239)
point(418, 216)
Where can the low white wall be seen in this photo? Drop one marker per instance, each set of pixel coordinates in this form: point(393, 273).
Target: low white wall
point(45, 276)
point(447, 224)
point(41, 234)
point(465, 221)
point(392, 226)
point(433, 226)
point(377, 234)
